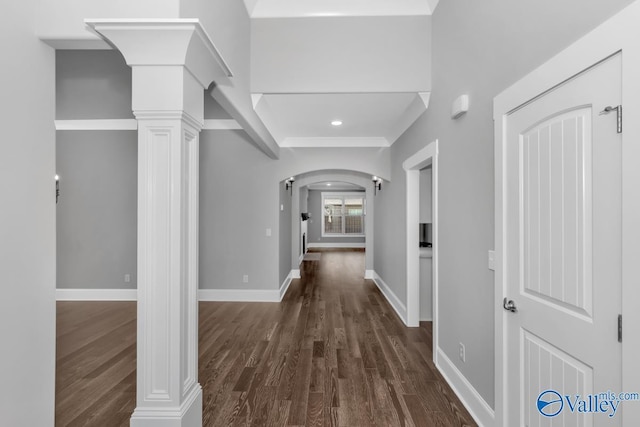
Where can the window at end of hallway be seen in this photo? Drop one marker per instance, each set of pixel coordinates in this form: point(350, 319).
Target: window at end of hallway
point(343, 214)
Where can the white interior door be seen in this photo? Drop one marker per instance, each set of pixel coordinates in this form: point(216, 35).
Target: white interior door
point(563, 252)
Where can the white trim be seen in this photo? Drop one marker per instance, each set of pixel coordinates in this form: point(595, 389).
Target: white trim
point(422, 158)
point(64, 294)
point(301, 258)
point(132, 124)
point(417, 107)
point(221, 124)
point(619, 33)
point(189, 413)
point(478, 408)
point(353, 245)
point(285, 285)
point(98, 124)
point(369, 274)
point(342, 195)
point(392, 298)
point(295, 274)
point(247, 295)
point(335, 142)
point(202, 46)
point(239, 295)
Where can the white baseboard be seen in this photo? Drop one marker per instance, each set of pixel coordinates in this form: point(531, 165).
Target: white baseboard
point(295, 273)
point(336, 245)
point(239, 295)
point(244, 295)
point(398, 306)
point(285, 285)
point(369, 274)
point(430, 319)
point(468, 395)
point(63, 294)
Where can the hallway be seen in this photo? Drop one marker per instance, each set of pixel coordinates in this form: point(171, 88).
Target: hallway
point(332, 353)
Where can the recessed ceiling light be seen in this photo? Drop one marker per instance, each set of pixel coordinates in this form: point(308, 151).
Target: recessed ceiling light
point(328, 184)
point(336, 123)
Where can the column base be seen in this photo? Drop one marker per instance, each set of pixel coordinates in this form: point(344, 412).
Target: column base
point(188, 415)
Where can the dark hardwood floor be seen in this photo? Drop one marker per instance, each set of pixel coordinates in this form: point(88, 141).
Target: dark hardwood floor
point(332, 353)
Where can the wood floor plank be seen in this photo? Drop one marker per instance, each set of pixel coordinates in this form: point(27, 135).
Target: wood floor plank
point(332, 353)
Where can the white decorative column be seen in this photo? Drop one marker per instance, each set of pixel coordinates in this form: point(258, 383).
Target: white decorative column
point(172, 63)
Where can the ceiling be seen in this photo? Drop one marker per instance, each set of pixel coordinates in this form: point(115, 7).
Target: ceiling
point(335, 186)
point(316, 8)
point(369, 41)
point(368, 119)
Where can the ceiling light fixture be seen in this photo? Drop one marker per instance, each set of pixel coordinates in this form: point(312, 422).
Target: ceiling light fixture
point(328, 184)
point(336, 123)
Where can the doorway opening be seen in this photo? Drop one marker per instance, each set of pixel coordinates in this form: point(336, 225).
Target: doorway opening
point(332, 209)
point(425, 158)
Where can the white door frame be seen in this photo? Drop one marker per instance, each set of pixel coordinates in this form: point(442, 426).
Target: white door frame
point(619, 33)
point(426, 156)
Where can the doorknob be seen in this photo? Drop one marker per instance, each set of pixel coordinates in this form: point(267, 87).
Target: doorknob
point(509, 305)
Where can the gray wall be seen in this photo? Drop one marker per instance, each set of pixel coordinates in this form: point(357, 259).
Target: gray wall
point(96, 222)
point(96, 84)
point(426, 196)
point(27, 221)
point(304, 199)
point(340, 54)
point(479, 48)
point(239, 200)
point(315, 223)
point(97, 209)
point(284, 241)
point(213, 110)
point(92, 84)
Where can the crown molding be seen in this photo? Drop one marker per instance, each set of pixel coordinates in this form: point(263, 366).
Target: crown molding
point(182, 42)
point(315, 142)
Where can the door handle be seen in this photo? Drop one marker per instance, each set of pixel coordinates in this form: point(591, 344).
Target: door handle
point(509, 305)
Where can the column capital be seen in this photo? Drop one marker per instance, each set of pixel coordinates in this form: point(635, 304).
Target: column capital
point(164, 115)
point(165, 42)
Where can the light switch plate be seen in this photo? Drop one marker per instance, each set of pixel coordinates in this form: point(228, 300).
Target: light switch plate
point(492, 260)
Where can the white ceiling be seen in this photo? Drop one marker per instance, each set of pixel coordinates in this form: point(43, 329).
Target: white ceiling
point(374, 115)
point(369, 119)
point(335, 186)
point(316, 8)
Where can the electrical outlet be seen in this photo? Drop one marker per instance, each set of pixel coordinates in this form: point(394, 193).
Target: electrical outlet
point(281, 207)
point(463, 356)
point(268, 232)
point(245, 278)
point(127, 278)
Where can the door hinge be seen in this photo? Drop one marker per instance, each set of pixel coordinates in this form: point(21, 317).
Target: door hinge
point(619, 327)
point(618, 109)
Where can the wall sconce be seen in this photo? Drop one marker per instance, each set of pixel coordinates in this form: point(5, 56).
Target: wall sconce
point(57, 178)
point(288, 184)
point(377, 184)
